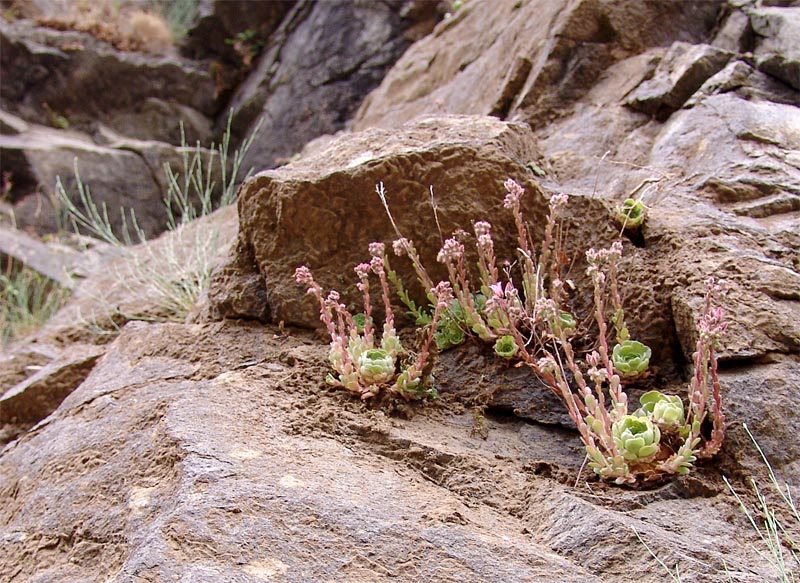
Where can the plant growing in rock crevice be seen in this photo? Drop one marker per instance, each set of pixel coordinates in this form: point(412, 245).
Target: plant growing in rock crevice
point(362, 363)
point(662, 437)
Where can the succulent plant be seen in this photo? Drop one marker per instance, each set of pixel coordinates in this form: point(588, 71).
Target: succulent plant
point(390, 343)
point(665, 410)
point(376, 366)
point(567, 322)
point(636, 437)
point(360, 321)
point(448, 334)
point(631, 213)
point(506, 347)
point(630, 358)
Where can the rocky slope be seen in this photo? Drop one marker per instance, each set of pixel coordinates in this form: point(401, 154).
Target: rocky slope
point(212, 450)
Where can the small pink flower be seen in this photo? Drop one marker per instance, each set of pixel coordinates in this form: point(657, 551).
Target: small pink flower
point(443, 293)
point(451, 251)
point(515, 192)
point(401, 246)
point(303, 275)
point(362, 270)
point(376, 263)
point(377, 249)
point(482, 228)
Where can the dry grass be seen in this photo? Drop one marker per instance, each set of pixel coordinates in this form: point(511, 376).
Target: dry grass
point(125, 25)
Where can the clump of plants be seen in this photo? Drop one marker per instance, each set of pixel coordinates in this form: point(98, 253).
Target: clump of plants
point(365, 361)
point(526, 317)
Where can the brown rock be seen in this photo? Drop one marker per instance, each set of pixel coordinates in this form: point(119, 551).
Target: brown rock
point(323, 211)
point(680, 73)
point(55, 263)
point(317, 67)
point(122, 174)
point(28, 402)
point(152, 466)
point(532, 60)
point(217, 23)
point(72, 78)
point(777, 50)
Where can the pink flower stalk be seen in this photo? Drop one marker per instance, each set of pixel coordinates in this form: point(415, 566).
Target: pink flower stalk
point(705, 385)
point(546, 261)
point(362, 272)
point(378, 267)
point(377, 249)
point(303, 276)
point(450, 252)
point(403, 246)
point(512, 202)
point(514, 193)
point(487, 264)
point(443, 296)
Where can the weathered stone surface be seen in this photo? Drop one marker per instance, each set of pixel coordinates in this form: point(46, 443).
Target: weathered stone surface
point(764, 397)
point(323, 211)
point(680, 73)
point(316, 69)
point(213, 470)
point(50, 73)
point(748, 83)
point(214, 453)
point(22, 362)
point(528, 73)
point(30, 401)
point(159, 120)
point(735, 34)
point(217, 22)
point(118, 178)
point(58, 264)
point(777, 50)
point(123, 173)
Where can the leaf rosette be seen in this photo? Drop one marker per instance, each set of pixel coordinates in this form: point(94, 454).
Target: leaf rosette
point(506, 347)
point(376, 366)
point(637, 438)
point(630, 358)
point(631, 214)
point(665, 410)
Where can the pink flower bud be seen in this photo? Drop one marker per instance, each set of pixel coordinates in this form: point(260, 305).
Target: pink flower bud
point(303, 275)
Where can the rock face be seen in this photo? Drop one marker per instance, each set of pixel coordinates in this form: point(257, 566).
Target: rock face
point(122, 174)
point(777, 53)
point(218, 22)
point(73, 77)
point(527, 73)
point(212, 450)
point(183, 456)
point(317, 67)
point(680, 73)
point(324, 211)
